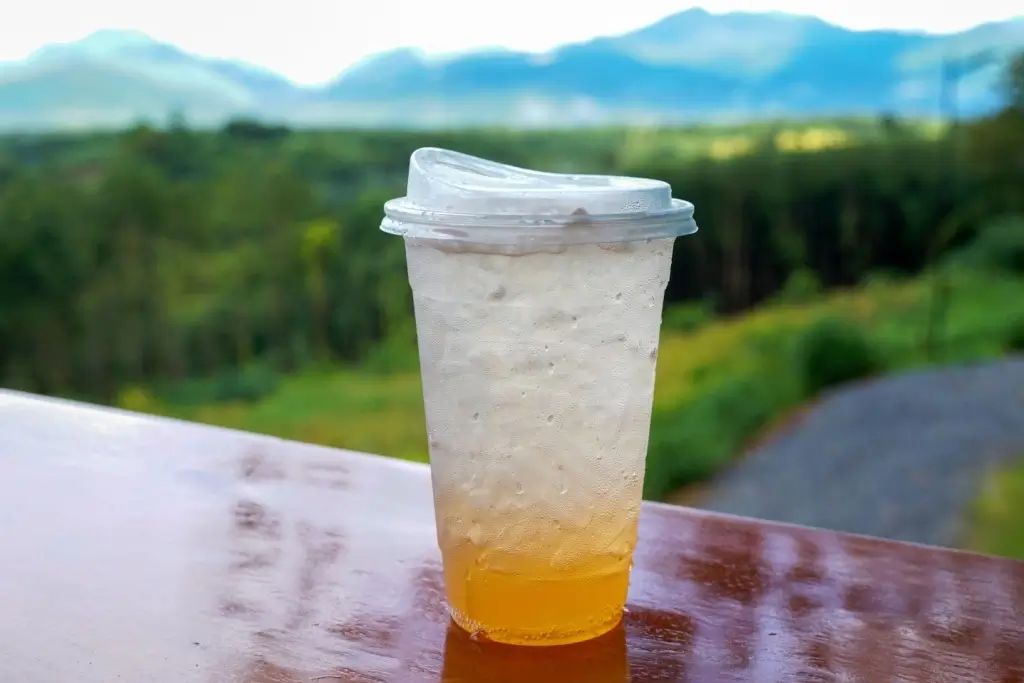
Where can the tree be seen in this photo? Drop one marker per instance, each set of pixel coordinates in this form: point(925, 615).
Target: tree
point(1013, 83)
point(46, 256)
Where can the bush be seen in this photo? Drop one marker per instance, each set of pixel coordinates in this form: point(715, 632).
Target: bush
point(880, 280)
point(397, 353)
point(246, 384)
point(832, 352)
point(999, 247)
point(688, 317)
point(801, 286)
point(1014, 341)
point(692, 442)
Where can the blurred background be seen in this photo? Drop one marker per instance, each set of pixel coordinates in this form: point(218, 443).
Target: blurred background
point(190, 203)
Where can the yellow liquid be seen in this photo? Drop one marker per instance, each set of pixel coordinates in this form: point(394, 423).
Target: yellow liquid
point(534, 603)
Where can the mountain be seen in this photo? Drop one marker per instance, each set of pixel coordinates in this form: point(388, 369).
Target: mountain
point(114, 77)
point(688, 66)
point(694, 65)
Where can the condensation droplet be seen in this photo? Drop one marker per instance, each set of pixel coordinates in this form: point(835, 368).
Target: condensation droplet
point(476, 416)
point(618, 296)
point(519, 489)
point(551, 418)
point(563, 489)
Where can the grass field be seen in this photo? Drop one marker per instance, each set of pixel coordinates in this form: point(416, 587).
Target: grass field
point(717, 385)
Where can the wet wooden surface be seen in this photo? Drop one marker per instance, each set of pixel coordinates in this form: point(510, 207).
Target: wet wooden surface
point(136, 549)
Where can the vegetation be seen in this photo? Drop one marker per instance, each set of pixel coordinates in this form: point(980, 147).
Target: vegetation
point(151, 257)
point(718, 385)
point(835, 351)
point(1015, 337)
point(996, 521)
point(239, 277)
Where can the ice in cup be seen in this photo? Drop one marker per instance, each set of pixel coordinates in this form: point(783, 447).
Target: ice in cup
point(538, 300)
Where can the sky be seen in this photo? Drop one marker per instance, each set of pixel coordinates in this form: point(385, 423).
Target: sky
point(312, 41)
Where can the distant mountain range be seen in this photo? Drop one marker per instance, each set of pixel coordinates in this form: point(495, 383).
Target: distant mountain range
point(690, 66)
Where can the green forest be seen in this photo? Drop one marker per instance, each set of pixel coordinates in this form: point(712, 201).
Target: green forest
point(153, 255)
point(239, 277)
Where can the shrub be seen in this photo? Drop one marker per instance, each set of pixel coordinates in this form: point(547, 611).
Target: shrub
point(244, 384)
point(136, 399)
point(999, 247)
point(880, 280)
point(690, 443)
point(801, 286)
point(397, 353)
point(997, 513)
point(832, 352)
point(1014, 341)
point(687, 317)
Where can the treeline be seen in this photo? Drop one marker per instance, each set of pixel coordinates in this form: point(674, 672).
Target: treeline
point(156, 255)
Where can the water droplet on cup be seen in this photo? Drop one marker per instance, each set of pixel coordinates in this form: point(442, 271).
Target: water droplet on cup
point(519, 489)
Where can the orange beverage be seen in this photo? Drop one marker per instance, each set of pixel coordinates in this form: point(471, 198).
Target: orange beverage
point(538, 304)
point(539, 594)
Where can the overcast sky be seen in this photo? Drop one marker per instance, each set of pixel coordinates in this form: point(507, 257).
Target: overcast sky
point(311, 41)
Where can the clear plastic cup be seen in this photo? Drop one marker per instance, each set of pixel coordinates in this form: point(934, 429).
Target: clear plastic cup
point(538, 302)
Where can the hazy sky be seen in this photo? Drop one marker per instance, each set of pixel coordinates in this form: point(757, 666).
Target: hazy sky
point(311, 41)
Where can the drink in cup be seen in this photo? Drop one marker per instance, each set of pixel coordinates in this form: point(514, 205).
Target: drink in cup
point(538, 300)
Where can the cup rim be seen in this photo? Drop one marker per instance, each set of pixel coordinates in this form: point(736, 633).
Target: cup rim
point(407, 220)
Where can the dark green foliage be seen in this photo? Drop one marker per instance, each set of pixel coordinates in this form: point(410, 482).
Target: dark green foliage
point(687, 317)
point(1015, 337)
point(153, 255)
point(834, 351)
point(999, 247)
point(246, 384)
point(689, 443)
point(801, 286)
point(246, 129)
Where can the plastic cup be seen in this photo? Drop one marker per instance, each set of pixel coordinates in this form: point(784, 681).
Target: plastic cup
point(538, 302)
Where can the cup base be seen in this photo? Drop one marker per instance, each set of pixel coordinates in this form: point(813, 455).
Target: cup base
point(534, 638)
point(541, 607)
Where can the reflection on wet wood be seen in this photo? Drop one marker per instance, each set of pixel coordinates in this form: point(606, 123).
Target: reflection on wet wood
point(145, 550)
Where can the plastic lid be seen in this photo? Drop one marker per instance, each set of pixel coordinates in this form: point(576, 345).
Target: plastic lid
point(453, 196)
